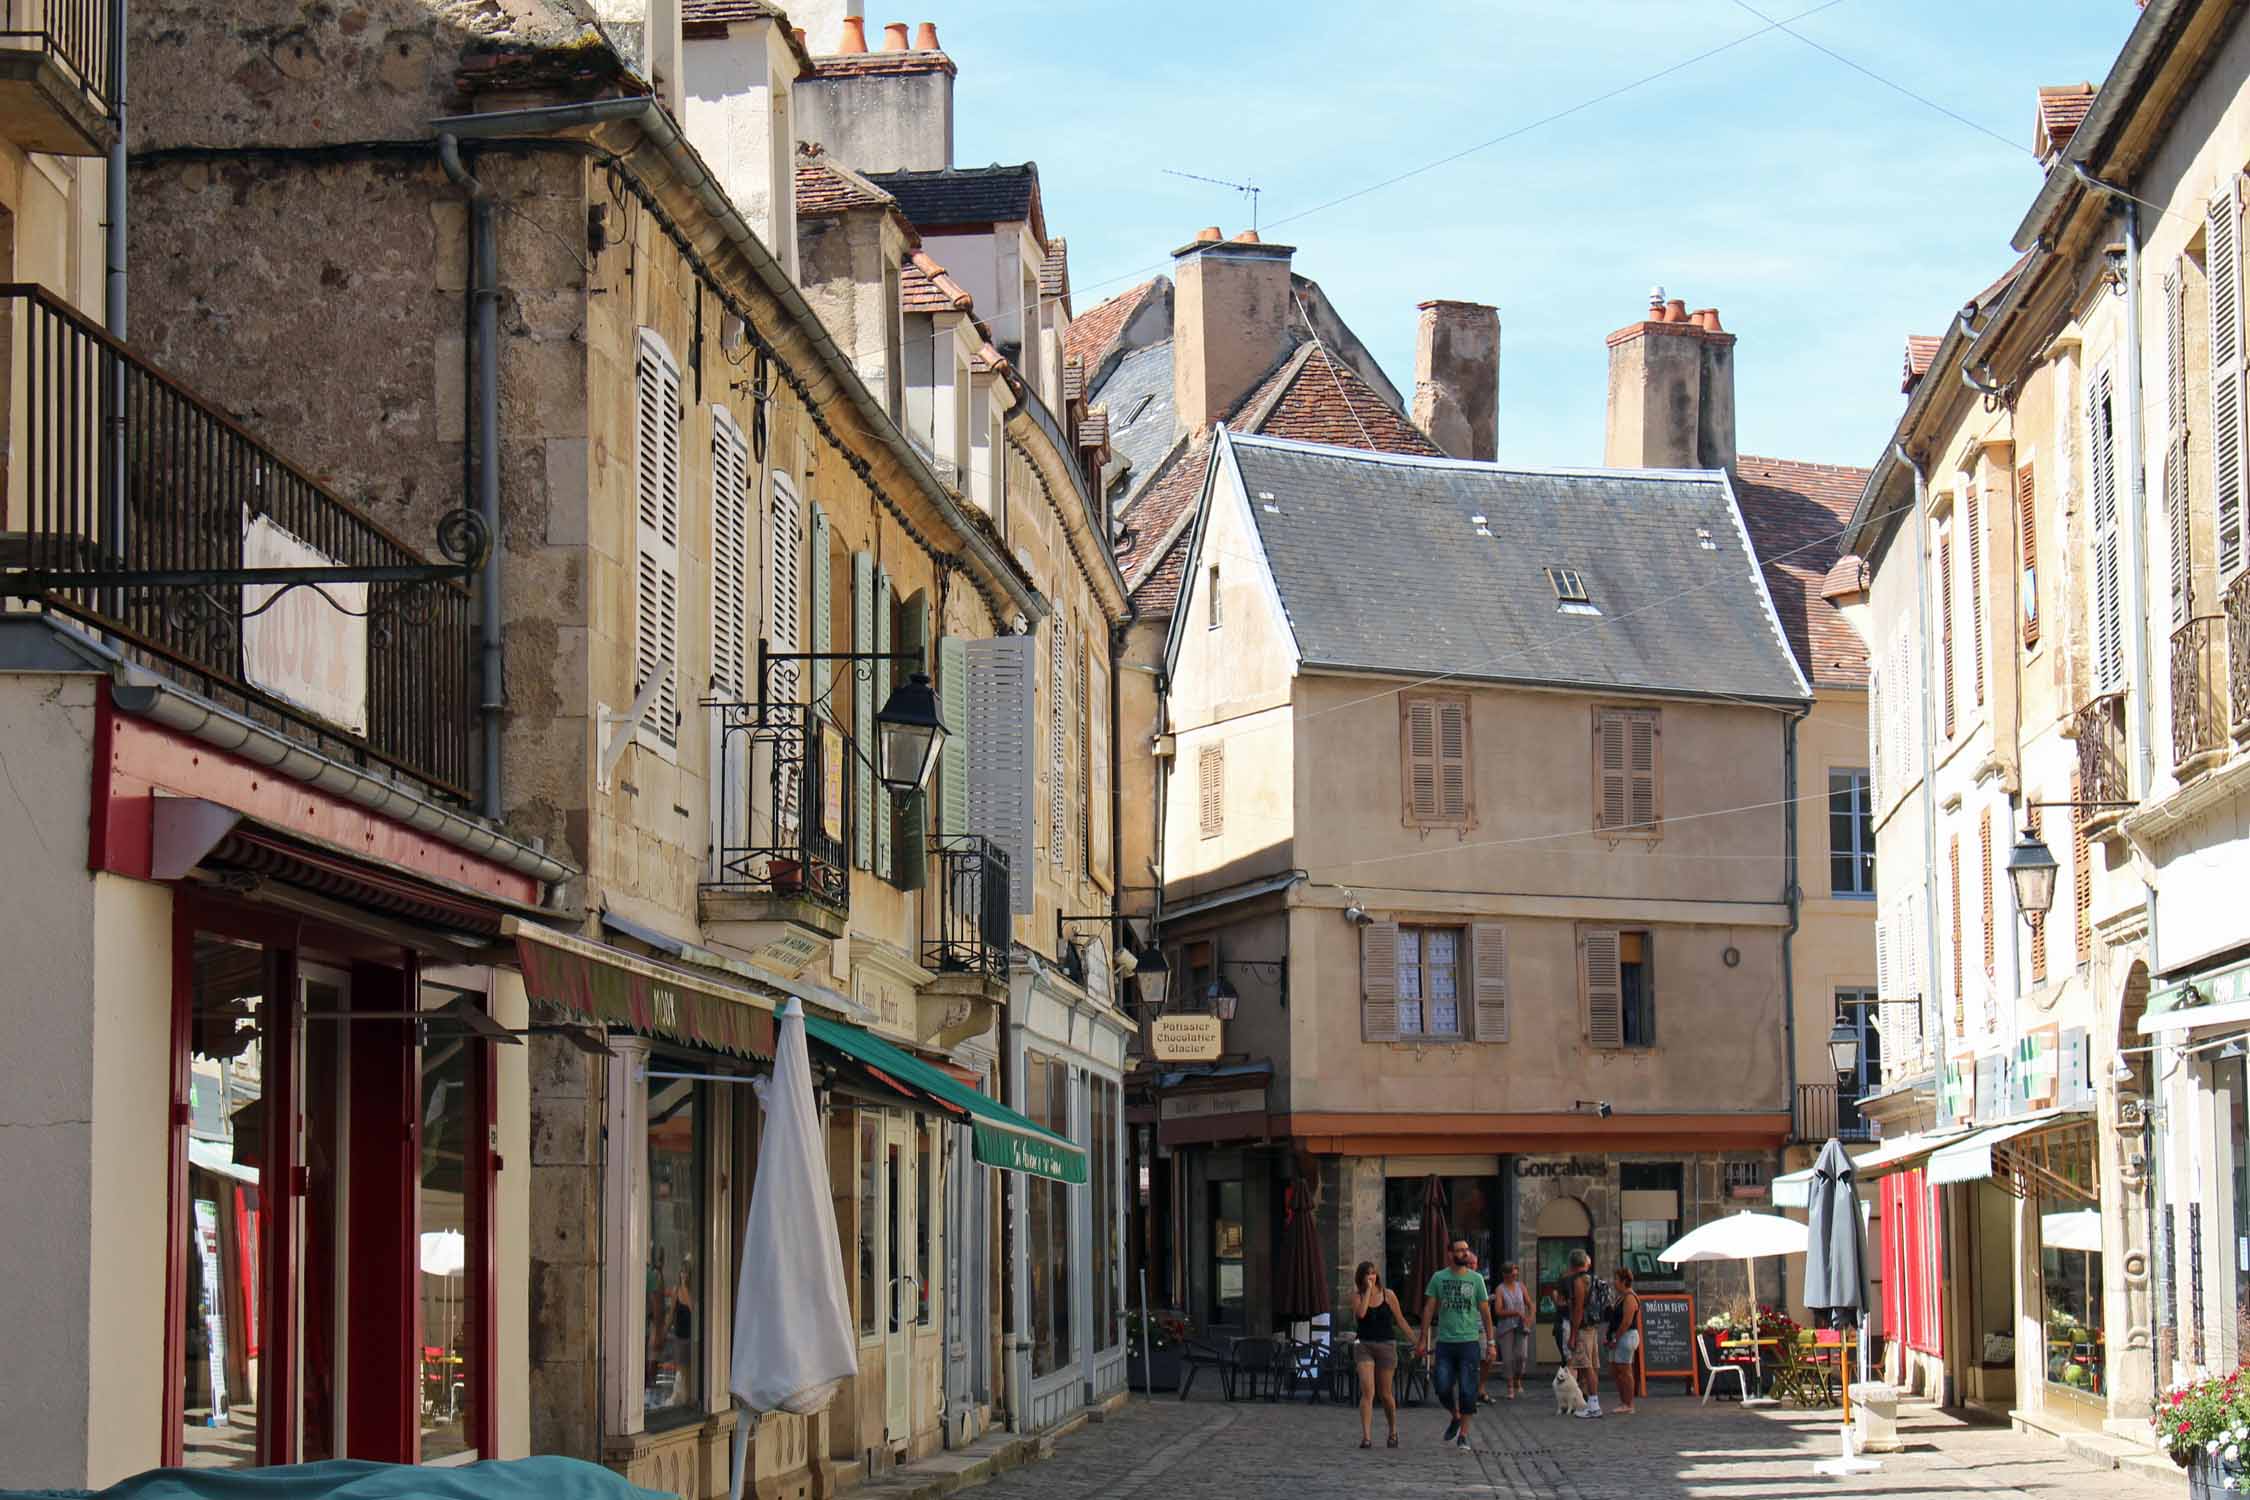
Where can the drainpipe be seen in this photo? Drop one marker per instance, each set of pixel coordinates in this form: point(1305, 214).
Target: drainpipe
point(485, 341)
point(1928, 717)
point(113, 282)
point(1793, 894)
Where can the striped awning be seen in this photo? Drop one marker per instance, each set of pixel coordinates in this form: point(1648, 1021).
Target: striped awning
point(608, 984)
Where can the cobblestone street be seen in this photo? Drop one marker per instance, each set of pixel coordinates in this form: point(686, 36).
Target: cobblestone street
point(1674, 1448)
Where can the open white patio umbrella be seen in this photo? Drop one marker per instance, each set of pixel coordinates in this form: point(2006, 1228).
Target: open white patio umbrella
point(1746, 1237)
point(793, 1337)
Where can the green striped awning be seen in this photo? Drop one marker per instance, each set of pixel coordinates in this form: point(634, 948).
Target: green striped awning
point(1004, 1138)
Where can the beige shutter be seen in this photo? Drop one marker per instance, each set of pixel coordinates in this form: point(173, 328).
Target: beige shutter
point(785, 590)
point(2176, 515)
point(1488, 976)
point(1418, 747)
point(863, 709)
point(1099, 771)
point(1945, 621)
point(656, 483)
point(1602, 986)
point(1453, 760)
point(1642, 768)
point(1211, 789)
point(885, 804)
point(1058, 733)
point(1984, 864)
point(1378, 982)
point(1609, 770)
point(1875, 735)
point(2038, 923)
point(2223, 259)
point(730, 557)
point(1886, 984)
point(823, 609)
point(1976, 590)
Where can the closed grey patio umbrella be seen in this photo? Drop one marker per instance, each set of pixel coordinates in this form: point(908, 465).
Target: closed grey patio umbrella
point(1836, 1272)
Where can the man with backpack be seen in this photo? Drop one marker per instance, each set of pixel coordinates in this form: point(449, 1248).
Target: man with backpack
point(1585, 1308)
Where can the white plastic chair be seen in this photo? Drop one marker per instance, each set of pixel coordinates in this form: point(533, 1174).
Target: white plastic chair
point(1713, 1373)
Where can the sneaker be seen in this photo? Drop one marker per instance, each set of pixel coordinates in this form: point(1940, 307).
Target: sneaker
point(1590, 1414)
point(1462, 1443)
point(1452, 1430)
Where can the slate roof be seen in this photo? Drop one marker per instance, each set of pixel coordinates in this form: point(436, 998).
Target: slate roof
point(1797, 513)
point(1380, 569)
point(967, 195)
point(1138, 395)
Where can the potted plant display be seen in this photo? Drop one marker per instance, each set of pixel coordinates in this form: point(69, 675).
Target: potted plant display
point(2205, 1426)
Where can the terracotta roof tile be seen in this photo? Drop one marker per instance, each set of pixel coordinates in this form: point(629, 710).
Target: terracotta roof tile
point(1092, 332)
point(1796, 513)
point(1154, 542)
point(1921, 350)
point(1318, 399)
point(826, 186)
point(2062, 109)
point(925, 286)
point(876, 64)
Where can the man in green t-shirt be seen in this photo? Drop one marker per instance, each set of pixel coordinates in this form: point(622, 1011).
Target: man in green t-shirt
point(1459, 1304)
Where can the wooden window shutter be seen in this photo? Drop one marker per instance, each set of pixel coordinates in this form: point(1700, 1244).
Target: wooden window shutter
point(656, 483)
point(953, 760)
point(1643, 742)
point(1454, 796)
point(863, 710)
point(2027, 532)
point(910, 857)
point(784, 589)
point(878, 794)
point(1058, 730)
point(1984, 849)
point(1418, 753)
point(1610, 780)
point(2223, 261)
point(730, 558)
point(1976, 591)
point(823, 604)
point(1488, 977)
point(1945, 622)
point(1211, 789)
point(1100, 770)
point(2101, 458)
point(1435, 754)
point(1601, 986)
point(1886, 984)
point(1078, 747)
point(1001, 788)
point(1378, 982)
point(2177, 522)
point(2038, 923)
point(1954, 900)
point(2081, 878)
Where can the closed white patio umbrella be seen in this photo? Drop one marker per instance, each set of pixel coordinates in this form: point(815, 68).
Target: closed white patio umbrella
point(1746, 1237)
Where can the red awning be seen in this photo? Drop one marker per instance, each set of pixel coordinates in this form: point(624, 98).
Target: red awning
point(609, 984)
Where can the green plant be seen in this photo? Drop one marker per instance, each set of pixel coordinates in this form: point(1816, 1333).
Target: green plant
point(1164, 1330)
point(2209, 1415)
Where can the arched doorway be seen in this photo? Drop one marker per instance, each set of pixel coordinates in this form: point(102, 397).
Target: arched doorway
point(1564, 1225)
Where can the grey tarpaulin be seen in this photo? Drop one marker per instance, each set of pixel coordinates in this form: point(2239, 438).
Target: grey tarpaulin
point(1836, 1251)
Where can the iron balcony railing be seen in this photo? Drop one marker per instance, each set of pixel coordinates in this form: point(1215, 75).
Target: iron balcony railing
point(75, 34)
point(2199, 688)
point(134, 505)
point(2102, 765)
point(2237, 606)
point(786, 781)
point(969, 878)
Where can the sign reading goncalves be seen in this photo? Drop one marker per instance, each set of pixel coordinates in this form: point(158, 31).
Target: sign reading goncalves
point(304, 645)
point(1186, 1038)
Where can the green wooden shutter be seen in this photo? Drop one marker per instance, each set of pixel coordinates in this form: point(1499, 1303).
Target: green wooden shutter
point(910, 856)
point(863, 710)
point(879, 693)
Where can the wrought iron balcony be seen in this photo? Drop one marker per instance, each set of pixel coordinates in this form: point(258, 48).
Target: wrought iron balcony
point(56, 62)
point(2237, 605)
point(969, 879)
point(2199, 691)
point(786, 783)
point(135, 506)
point(2102, 764)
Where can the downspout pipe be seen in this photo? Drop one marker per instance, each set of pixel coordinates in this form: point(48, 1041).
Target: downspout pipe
point(1928, 717)
point(484, 339)
point(113, 279)
point(1793, 892)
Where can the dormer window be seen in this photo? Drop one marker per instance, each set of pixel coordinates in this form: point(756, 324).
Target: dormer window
point(1570, 592)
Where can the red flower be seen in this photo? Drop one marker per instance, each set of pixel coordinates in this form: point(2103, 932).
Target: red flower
point(2185, 1425)
point(2179, 1398)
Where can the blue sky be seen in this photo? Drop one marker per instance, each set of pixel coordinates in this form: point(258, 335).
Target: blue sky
point(1825, 216)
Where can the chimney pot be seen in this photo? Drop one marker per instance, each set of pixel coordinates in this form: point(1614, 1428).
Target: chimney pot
point(1655, 304)
point(1247, 237)
point(925, 40)
point(799, 33)
point(855, 35)
point(894, 37)
point(1675, 311)
point(1208, 235)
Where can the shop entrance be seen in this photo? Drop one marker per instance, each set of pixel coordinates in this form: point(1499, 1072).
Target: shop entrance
point(905, 1290)
point(1564, 1225)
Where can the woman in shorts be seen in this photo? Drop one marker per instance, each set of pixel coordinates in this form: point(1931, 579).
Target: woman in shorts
point(1380, 1318)
point(1624, 1339)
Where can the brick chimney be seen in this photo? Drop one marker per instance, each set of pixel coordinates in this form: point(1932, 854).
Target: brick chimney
point(1671, 390)
point(1232, 316)
point(889, 110)
point(1457, 378)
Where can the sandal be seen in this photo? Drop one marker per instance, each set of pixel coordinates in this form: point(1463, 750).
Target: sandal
point(1391, 1441)
point(1367, 1442)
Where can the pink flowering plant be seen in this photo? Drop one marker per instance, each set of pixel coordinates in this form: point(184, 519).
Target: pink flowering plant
point(2211, 1417)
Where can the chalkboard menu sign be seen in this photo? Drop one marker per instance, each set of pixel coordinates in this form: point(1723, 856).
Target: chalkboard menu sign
point(1668, 1337)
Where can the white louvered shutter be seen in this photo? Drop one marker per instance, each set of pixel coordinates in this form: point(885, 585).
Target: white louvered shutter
point(1001, 768)
point(1058, 720)
point(2176, 515)
point(823, 610)
point(785, 608)
point(1378, 982)
point(1488, 976)
point(2223, 261)
point(882, 695)
point(953, 762)
point(1603, 987)
point(863, 710)
point(1886, 979)
point(656, 486)
point(730, 558)
point(2109, 608)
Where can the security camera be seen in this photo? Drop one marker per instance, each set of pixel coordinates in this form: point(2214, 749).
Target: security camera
point(1601, 1107)
point(1357, 916)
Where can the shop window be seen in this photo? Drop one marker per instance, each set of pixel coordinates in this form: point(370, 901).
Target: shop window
point(672, 1356)
point(1228, 1255)
point(224, 1257)
point(2070, 1272)
point(1047, 1102)
point(1650, 1216)
point(1564, 1225)
point(2230, 1076)
point(453, 1153)
point(1472, 1213)
point(1103, 1099)
point(872, 1282)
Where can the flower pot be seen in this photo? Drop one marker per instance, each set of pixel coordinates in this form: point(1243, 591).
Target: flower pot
point(1163, 1372)
point(788, 876)
point(2211, 1478)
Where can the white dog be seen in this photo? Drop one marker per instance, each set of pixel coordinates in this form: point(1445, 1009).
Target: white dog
point(1569, 1399)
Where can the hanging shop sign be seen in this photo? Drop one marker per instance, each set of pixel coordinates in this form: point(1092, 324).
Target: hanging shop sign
point(1186, 1038)
point(304, 645)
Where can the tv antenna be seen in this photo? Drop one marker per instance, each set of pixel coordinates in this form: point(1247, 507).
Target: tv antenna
point(1249, 190)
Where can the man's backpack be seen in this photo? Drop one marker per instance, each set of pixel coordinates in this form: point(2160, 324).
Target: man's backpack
point(1601, 1302)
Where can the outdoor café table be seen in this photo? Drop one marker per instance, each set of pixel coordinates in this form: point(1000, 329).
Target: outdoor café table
point(1769, 1355)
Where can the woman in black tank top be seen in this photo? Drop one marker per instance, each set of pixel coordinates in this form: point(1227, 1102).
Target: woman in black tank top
point(1376, 1308)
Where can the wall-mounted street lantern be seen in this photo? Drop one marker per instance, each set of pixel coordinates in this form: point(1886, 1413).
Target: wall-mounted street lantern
point(909, 734)
point(2031, 870)
point(1130, 960)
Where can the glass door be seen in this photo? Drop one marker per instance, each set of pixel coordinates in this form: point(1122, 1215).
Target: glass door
point(905, 1288)
point(322, 1150)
